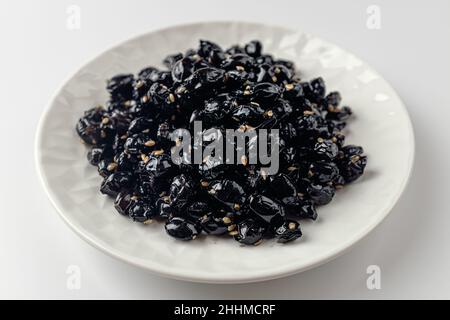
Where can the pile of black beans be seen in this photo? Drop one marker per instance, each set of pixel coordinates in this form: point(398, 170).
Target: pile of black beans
point(240, 87)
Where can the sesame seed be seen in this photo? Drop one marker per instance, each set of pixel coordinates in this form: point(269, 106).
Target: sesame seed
point(289, 86)
point(237, 206)
point(291, 225)
point(244, 160)
point(158, 152)
point(149, 143)
point(171, 98)
point(111, 167)
point(180, 90)
point(148, 221)
point(226, 220)
point(240, 68)
point(204, 183)
point(233, 233)
point(257, 243)
point(232, 227)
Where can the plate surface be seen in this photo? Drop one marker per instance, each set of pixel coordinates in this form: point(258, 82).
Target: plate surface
point(381, 125)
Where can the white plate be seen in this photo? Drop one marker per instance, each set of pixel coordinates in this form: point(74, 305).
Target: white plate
point(381, 125)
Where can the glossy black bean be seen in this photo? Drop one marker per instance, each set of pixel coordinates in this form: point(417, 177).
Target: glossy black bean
point(250, 232)
point(214, 224)
point(228, 192)
point(266, 209)
point(97, 154)
point(323, 172)
point(321, 195)
point(182, 69)
point(242, 88)
point(265, 92)
point(301, 208)
point(120, 87)
point(160, 165)
point(123, 202)
point(326, 149)
point(141, 211)
point(206, 47)
point(182, 190)
point(115, 183)
point(88, 127)
point(352, 168)
point(181, 229)
point(280, 186)
point(253, 48)
point(289, 231)
point(171, 59)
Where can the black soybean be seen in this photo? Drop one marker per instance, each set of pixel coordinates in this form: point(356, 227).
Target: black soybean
point(240, 87)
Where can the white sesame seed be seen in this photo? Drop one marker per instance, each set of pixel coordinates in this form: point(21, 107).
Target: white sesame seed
point(111, 167)
point(226, 220)
point(149, 143)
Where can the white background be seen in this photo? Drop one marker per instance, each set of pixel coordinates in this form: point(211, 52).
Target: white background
point(38, 52)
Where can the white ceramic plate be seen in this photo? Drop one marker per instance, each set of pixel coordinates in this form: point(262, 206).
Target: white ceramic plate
point(381, 125)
